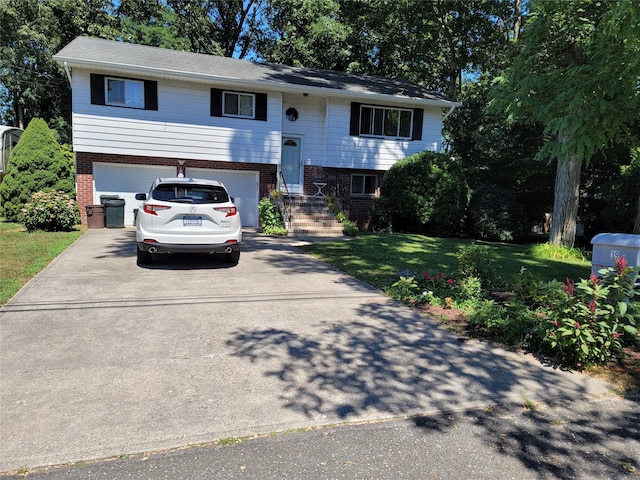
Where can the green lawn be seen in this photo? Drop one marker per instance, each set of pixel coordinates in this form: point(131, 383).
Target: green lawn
point(22, 254)
point(376, 259)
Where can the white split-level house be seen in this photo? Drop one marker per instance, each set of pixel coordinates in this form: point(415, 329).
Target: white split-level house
point(143, 112)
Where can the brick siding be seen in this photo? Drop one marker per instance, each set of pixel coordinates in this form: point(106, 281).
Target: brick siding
point(356, 207)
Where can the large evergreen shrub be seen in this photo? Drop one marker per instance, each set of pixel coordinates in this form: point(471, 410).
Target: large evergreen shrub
point(424, 193)
point(494, 214)
point(37, 163)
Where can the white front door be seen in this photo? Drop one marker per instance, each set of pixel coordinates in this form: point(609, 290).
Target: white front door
point(291, 164)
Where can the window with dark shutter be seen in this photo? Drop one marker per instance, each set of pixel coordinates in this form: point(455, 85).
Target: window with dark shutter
point(123, 92)
point(97, 89)
point(418, 115)
point(354, 124)
point(383, 122)
point(226, 103)
point(150, 95)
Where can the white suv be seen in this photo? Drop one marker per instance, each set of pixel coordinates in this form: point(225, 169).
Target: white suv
point(187, 215)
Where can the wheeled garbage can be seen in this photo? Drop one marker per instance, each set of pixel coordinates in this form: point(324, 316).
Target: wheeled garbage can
point(95, 216)
point(114, 213)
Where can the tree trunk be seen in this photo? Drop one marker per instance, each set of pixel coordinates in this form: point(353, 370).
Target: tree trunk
point(636, 225)
point(518, 23)
point(565, 202)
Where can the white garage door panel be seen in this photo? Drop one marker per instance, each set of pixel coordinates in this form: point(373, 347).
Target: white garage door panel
point(127, 180)
point(242, 186)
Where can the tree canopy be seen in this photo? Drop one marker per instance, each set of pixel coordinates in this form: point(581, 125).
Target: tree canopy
point(543, 81)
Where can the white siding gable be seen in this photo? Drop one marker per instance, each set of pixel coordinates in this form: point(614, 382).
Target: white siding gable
point(182, 127)
point(346, 151)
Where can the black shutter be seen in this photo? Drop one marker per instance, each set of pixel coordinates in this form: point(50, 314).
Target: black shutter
point(261, 106)
point(150, 95)
point(216, 102)
point(97, 89)
point(418, 115)
point(354, 123)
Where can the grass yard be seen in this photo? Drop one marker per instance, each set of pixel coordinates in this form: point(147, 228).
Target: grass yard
point(377, 259)
point(24, 254)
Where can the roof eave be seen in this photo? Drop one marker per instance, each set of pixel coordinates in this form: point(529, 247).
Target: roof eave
point(266, 84)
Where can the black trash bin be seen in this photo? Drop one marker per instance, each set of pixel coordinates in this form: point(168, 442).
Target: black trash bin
point(104, 198)
point(114, 212)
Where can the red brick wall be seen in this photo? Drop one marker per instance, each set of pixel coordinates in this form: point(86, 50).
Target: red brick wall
point(356, 207)
point(84, 177)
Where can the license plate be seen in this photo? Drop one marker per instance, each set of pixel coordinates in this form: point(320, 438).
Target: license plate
point(192, 221)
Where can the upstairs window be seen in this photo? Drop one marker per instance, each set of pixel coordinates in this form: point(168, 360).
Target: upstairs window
point(239, 104)
point(246, 105)
point(385, 122)
point(124, 93)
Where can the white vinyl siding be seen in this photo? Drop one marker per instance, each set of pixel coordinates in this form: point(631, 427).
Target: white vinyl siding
point(181, 128)
point(309, 126)
point(345, 151)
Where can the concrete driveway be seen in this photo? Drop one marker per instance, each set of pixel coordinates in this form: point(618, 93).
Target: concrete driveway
point(99, 357)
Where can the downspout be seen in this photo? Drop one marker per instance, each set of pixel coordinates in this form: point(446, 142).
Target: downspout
point(75, 163)
point(453, 107)
point(66, 69)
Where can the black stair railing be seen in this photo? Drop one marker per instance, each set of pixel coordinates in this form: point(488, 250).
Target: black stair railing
point(286, 198)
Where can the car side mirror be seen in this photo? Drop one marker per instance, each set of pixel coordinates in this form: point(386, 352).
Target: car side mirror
point(233, 200)
point(141, 196)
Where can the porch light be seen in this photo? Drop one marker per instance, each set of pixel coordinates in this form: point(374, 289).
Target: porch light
point(181, 170)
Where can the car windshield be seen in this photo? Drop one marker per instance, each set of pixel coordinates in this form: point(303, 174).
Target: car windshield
point(190, 193)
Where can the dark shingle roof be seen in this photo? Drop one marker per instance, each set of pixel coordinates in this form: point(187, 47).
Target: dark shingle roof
point(112, 55)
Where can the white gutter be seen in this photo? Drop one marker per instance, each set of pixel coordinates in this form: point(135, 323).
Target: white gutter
point(66, 69)
point(260, 83)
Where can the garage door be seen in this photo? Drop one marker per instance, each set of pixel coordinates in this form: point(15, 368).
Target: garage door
point(127, 180)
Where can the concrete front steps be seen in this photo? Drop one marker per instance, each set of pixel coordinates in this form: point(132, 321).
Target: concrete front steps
point(310, 216)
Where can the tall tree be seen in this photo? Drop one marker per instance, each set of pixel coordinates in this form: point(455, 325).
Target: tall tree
point(219, 27)
point(29, 77)
point(577, 75)
point(431, 43)
point(31, 31)
point(305, 33)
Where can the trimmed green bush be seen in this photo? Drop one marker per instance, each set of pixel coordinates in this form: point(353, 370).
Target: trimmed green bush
point(51, 212)
point(271, 221)
point(494, 214)
point(424, 193)
point(36, 164)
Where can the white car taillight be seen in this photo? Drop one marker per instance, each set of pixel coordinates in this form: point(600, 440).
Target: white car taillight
point(152, 209)
point(230, 211)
